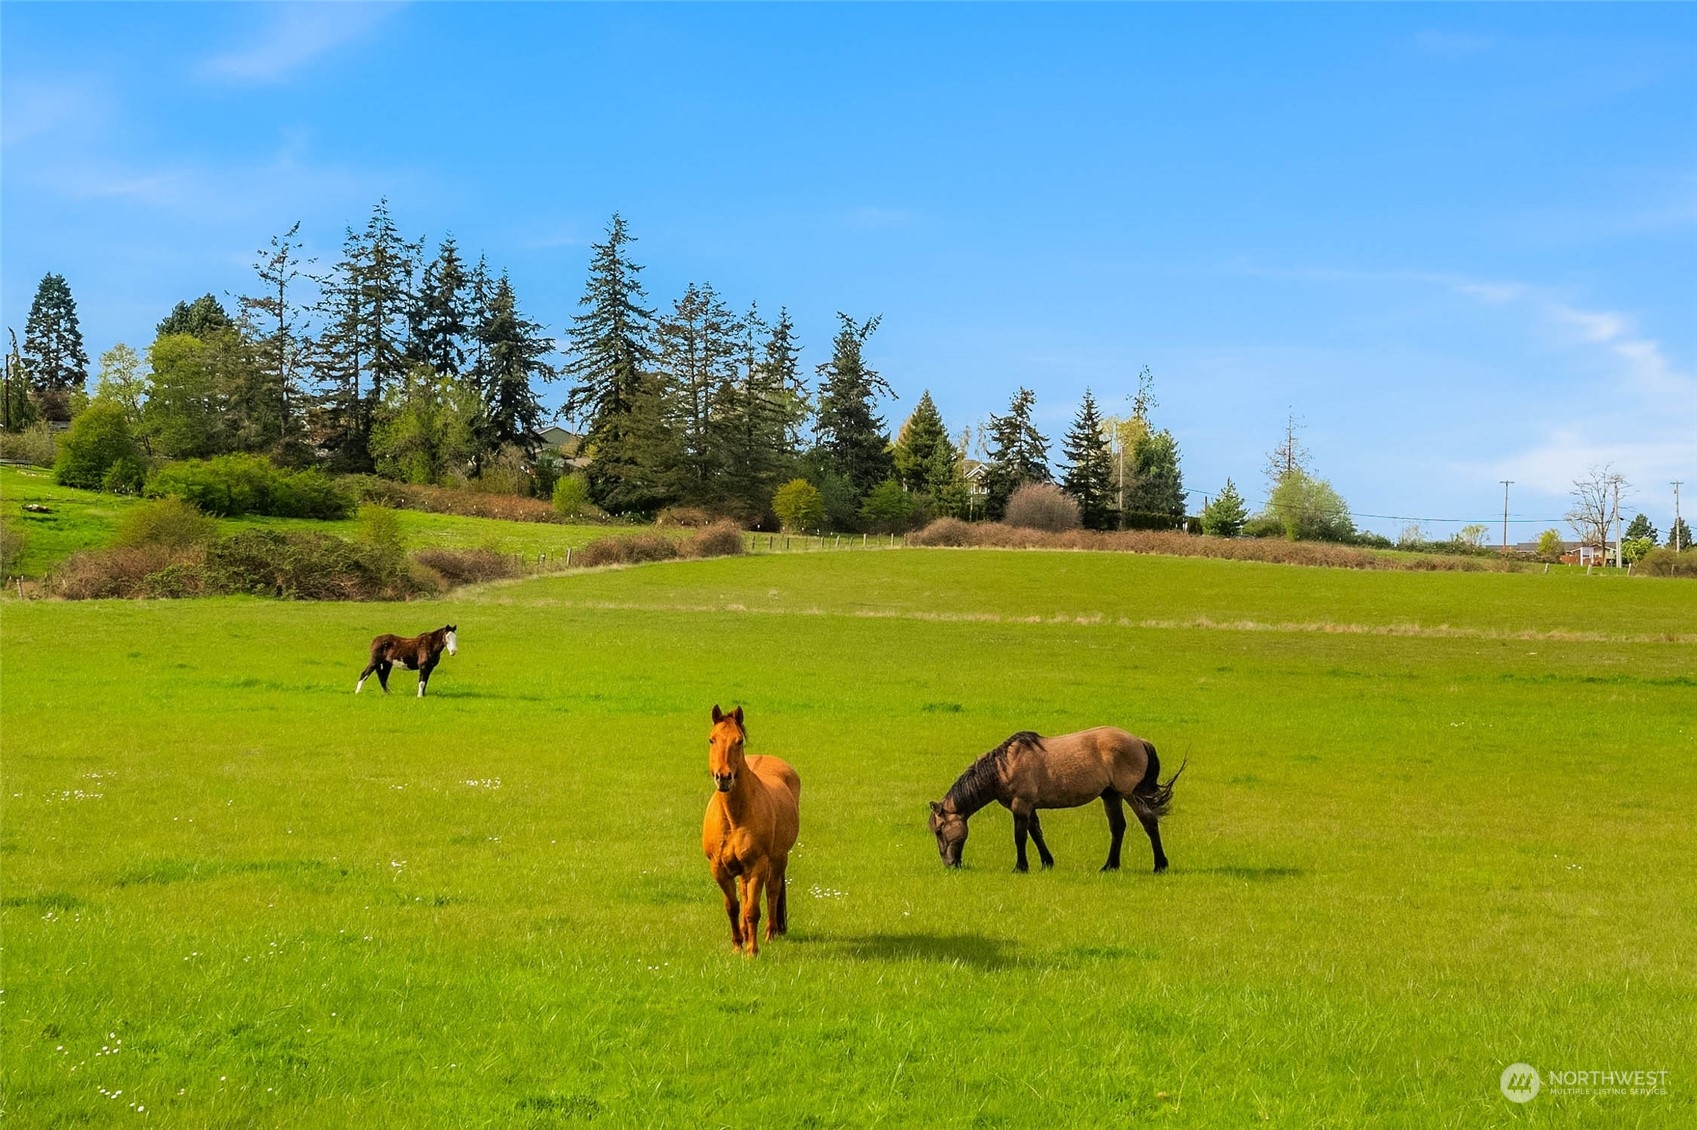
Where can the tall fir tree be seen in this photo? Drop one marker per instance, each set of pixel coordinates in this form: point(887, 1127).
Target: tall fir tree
point(851, 441)
point(363, 304)
point(514, 347)
point(1154, 485)
point(1018, 454)
point(760, 415)
point(917, 443)
point(53, 353)
point(439, 322)
point(1089, 476)
point(698, 356)
point(615, 390)
point(275, 323)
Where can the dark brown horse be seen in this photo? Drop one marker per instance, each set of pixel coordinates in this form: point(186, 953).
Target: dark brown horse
point(417, 653)
point(1028, 772)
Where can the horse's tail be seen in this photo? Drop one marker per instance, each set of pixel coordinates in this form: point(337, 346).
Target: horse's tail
point(1152, 797)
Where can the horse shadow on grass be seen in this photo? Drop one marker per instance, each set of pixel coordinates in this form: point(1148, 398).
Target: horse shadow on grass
point(1251, 874)
point(975, 951)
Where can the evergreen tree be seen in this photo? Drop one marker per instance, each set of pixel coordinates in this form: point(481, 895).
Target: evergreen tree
point(201, 318)
point(275, 323)
point(1226, 514)
point(439, 322)
point(698, 358)
point(1640, 527)
point(917, 445)
point(17, 411)
point(1018, 454)
point(1089, 476)
point(53, 354)
point(615, 391)
point(761, 414)
point(514, 348)
point(850, 436)
point(1679, 535)
point(363, 304)
point(1154, 485)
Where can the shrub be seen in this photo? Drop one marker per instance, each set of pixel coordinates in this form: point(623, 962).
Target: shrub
point(1042, 506)
point(721, 539)
point(467, 566)
point(34, 445)
point(1665, 562)
point(1550, 545)
point(508, 471)
point(310, 494)
point(14, 540)
point(689, 517)
point(309, 566)
point(571, 498)
point(945, 532)
point(799, 506)
point(99, 438)
point(1634, 550)
point(122, 572)
point(126, 476)
point(168, 522)
point(445, 500)
point(630, 549)
point(889, 509)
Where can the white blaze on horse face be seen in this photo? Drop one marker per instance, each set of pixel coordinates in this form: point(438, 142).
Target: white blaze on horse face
point(453, 642)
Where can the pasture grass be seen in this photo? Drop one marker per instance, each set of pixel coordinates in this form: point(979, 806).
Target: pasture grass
point(235, 894)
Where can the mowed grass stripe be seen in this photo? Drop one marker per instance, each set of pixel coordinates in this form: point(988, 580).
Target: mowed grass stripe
point(1399, 864)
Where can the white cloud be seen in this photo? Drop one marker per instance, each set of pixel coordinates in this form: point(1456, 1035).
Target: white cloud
point(294, 36)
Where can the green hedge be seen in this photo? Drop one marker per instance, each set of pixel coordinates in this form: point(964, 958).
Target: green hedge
point(233, 485)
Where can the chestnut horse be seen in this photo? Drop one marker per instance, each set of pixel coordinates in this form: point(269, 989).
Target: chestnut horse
point(419, 653)
point(753, 818)
point(1028, 772)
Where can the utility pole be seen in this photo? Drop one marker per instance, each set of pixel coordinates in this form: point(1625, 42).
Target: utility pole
point(1676, 483)
point(1505, 483)
point(1617, 523)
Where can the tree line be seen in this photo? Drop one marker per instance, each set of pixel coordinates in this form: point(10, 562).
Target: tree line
point(426, 369)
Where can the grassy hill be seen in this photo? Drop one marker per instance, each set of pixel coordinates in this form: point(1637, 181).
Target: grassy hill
point(1432, 825)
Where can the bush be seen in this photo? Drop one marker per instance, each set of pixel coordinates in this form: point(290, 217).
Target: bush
point(14, 540)
point(99, 438)
point(721, 539)
point(630, 549)
point(1042, 506)
point(891, 510)
point(799, 505)
point(687, 517)
point(34, 445)
point(310, 494)
point(1665, 562)
point(232, 485)
point(467, 566)
point(571, 498)
point(309, 566)
point(1550, 546)
point(168, 522)
point(124, 572)
point(945, 532)
point(445, 500)
point(508, 471)
point(126, 476)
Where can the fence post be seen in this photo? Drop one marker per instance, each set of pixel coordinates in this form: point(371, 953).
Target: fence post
point(568, 557)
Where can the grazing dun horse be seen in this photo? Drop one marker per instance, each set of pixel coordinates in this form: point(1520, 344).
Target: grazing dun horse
point(1028, 772)
point(419, 653)
point(753, 818)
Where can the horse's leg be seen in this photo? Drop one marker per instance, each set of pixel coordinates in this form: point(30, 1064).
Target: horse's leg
point(424, 670)
point(1021, 827)
point(383, 668)
point(364, 675)
point(777, 914)
point(757, 880)
point(1152, 824)
point(1116, 826)
point(728, 884)
point(1037, 838)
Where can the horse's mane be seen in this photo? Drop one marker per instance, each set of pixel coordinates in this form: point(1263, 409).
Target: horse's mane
point(976, 787)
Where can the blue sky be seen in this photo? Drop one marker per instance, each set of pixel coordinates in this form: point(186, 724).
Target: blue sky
point(1458, 242)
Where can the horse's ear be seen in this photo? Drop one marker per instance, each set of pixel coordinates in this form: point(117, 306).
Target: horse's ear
point(936, 809)
point(718, 715)
point(737, 714)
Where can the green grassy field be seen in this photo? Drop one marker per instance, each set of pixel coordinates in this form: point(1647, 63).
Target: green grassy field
point(1432, 825)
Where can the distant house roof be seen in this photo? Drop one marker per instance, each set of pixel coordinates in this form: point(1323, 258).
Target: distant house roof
point(558, 437)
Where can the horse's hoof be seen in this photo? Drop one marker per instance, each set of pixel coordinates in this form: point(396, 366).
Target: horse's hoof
point(1110, 867)
point(1018, 870)
point(1160, 867)
point(1048, 864)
